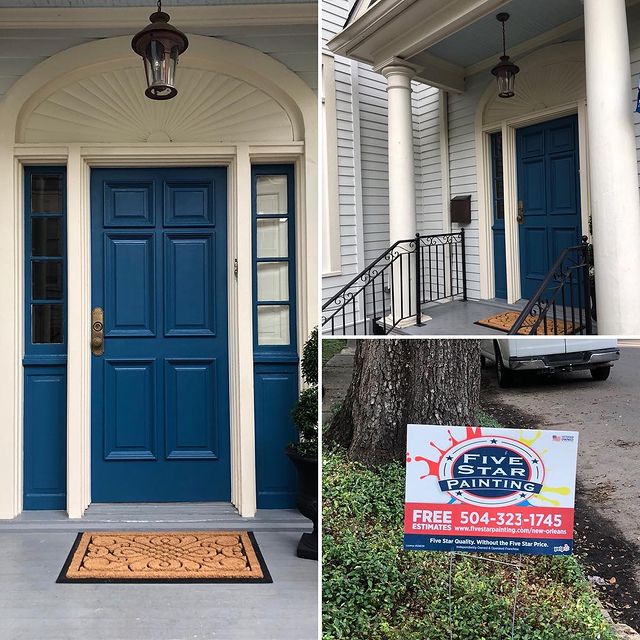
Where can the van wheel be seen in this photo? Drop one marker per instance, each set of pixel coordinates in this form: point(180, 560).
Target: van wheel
point(506, 377)
point(601, 373)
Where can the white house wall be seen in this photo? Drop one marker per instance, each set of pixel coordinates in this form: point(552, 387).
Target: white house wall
point(363, 157)
point(333, 18)
point(463, 170)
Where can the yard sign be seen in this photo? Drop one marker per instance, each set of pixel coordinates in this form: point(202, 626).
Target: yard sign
point(480, 489)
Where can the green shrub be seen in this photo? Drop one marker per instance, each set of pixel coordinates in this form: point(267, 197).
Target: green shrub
point(305, 413)
point(374, 590)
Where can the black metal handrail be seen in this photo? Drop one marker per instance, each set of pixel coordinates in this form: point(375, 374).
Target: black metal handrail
point(564, 295)
point(393, 288)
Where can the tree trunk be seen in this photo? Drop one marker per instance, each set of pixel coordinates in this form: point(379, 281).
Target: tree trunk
point(400, 382)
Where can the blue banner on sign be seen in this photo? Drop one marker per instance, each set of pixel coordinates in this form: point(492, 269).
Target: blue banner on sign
point(539, 546)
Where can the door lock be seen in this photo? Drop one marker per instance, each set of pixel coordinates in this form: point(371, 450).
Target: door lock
point(97, 331)
point(520, 217)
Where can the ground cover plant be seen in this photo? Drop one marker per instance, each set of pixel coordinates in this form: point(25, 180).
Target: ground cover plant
point(374, 590)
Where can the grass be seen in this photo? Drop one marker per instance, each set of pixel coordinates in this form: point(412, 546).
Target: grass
point(330, 348)
point(374, 590)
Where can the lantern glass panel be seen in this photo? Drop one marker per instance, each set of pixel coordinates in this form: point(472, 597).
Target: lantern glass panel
point(160, 67)
point(506, 84)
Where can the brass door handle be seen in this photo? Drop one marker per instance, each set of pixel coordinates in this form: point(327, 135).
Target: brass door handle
point(97, 331)
point(520, 217)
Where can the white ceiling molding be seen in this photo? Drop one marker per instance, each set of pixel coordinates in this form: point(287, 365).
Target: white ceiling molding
point(404, 28)
point(233, 15)
point(548, 78)
point(111, 107)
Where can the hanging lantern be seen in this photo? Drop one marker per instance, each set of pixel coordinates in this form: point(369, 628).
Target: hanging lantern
point(160, 44)
point(505, 71)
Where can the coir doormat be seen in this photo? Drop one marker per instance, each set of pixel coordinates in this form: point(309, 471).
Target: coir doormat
point(504, 321)
point(165, 556)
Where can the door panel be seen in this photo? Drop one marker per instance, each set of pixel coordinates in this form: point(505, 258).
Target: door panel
point(129, 263)
point(189, 285)
point(549, 189)
point(192, 426)
point(160, 413)
point(129, 420)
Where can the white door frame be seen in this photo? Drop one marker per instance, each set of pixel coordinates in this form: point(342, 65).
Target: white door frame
point(238, 160)
point(568, 55)
point(510, 163)
point(252, 66)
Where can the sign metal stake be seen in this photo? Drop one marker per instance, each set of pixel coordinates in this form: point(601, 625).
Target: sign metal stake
point(516, 591)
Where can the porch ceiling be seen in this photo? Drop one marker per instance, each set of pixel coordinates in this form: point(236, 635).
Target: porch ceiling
point(286, 31)
point(450, 40)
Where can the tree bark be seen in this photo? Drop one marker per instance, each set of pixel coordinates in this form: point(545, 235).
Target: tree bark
point(400, 382)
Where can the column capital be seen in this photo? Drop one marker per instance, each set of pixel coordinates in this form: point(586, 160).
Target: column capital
point(397, 68)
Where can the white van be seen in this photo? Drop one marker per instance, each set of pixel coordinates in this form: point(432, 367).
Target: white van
point(549, 355)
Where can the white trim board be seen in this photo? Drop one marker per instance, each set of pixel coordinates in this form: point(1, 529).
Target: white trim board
point(261, 71)
point(133, 18)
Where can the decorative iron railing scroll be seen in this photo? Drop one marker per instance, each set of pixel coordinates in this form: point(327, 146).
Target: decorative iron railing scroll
point(563, 303)
point(393, 288)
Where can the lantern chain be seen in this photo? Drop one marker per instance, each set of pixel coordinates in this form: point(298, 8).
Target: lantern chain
point(504, 39)
point(160, 6)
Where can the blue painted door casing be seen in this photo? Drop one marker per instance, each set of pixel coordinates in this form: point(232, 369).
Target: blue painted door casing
point(497, 227)
point(45, 339)
point(549, 188)
point(160, 408)
point(275, 365)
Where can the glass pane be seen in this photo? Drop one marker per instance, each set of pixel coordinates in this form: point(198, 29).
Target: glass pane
point(272, 238)
point(273, 324)
point(271, 195)
point(46, 194)
point(46, 280)
point(46, 323)
point(273, 281)
point(500, 210)
point(46, 236)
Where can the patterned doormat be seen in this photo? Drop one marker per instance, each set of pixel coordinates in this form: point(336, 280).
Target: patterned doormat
point(504, 321)
point(165, 556)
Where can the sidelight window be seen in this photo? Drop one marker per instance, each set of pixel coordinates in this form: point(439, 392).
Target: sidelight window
point(45, 248)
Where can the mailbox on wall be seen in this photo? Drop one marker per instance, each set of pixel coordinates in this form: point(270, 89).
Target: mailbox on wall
point(461, 209)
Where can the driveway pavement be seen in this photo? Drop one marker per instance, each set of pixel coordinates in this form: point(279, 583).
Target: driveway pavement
point(607, 416)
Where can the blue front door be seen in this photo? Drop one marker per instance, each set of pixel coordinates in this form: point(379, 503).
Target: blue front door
point(548, 196)
point(160, 411)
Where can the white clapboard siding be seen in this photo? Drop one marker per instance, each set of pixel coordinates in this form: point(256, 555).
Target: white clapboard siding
point(463, 170)
point(334, 15)
point(429, 205)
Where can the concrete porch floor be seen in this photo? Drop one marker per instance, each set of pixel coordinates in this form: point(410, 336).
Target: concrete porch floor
point(457, 318)
point(34, 546)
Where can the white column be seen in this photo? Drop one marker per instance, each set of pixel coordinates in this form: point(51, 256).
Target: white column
point(615, 203)
point(402, 186)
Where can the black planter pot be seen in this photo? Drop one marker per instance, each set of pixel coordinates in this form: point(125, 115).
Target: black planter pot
point(307, 469)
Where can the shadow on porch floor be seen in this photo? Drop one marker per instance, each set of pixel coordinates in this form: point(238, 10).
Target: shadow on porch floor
point(457, 318)
point(34, 546)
